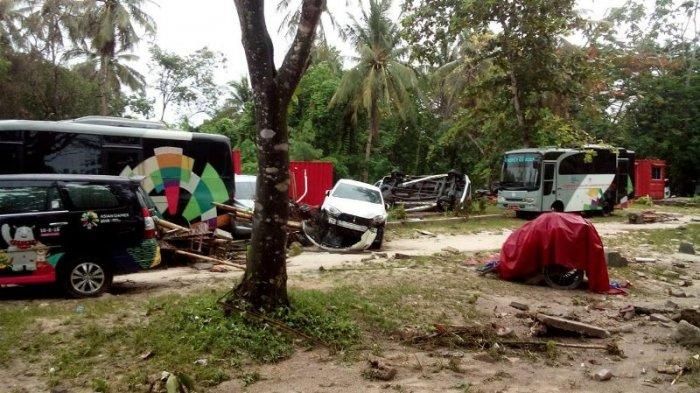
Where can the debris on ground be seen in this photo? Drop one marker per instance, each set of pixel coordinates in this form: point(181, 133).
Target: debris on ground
point(651, 216)
point(207, 248)
point(686, 248)
point(567, 325)
point(672, 369)
point(687, 334)
point(615, 259)
point(519, 306)
point(378, 370)
point(603, 375)
point(645, 260)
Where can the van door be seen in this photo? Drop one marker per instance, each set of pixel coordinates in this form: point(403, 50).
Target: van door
point(32, 222)
point(549, 186)
point(102, 217)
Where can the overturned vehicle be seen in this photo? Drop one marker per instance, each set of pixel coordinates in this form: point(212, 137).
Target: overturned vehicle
point(351, 218)
point(444, 192)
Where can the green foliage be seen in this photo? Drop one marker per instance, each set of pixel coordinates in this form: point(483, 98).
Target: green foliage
point(186, 81)
point(397, 213)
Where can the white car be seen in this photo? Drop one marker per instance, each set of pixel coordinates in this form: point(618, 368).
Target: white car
point(356, 206)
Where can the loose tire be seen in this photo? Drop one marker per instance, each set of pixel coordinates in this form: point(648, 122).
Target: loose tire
point(85, 277)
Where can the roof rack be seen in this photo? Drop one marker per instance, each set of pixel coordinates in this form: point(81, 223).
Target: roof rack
point(120, 122)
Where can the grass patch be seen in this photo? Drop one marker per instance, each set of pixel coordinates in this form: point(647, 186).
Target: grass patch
point(91, 350)
point(659, 240)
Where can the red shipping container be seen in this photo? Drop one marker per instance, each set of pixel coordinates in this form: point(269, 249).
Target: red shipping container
point(236, 158)
point(309, 181)
point(650, 178)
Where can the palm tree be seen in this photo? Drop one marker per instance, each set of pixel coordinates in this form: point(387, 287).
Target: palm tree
point(241, 95)
point(379, 80)
point(112, 28)
point(11, 18)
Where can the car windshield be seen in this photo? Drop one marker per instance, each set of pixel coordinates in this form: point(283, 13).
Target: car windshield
point(245, 190)
point(521, 171)
point(358, 193)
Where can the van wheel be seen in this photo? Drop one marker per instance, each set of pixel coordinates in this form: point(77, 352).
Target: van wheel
point(377, 243)
point(86, 277)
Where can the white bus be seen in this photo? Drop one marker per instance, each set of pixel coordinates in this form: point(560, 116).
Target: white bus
point(592, 178)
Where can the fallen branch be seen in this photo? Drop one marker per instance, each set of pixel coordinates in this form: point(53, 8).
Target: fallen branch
point(519, 344)
point(210, 259)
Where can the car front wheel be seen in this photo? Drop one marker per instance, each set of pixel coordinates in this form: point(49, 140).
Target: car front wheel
point(86, 277)
point(377, 243)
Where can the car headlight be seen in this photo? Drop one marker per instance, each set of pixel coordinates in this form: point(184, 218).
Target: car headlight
point(333, 212)
point(378, 219)
point(501, 199)
point(530, 200)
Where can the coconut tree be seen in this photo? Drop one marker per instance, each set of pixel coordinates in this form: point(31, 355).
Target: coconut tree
point(112, 29)
point(12, 15)
point(379, 81)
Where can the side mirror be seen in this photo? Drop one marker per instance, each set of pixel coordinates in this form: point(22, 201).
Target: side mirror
point(328, 192)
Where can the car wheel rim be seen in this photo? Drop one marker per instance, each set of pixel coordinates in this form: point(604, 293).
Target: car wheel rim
point(87, 278)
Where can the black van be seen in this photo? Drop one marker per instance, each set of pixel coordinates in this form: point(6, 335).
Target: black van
point(74, 230)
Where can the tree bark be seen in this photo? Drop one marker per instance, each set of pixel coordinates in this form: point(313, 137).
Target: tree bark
point(104, 107)
point(264, 284)
point(372, 135)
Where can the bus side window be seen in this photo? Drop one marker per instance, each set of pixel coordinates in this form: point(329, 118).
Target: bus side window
point(53, 152)
point(116, 160)
point(10, 158)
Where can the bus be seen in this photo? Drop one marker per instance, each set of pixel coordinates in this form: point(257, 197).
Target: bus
point(588, 179)
point(184, 172)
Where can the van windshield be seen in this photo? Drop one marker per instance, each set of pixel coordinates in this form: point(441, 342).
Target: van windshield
point(521, 171)
point(358, 193)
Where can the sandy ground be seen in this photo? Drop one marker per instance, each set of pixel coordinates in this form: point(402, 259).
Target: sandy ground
point(646, 343)
point(313, 259)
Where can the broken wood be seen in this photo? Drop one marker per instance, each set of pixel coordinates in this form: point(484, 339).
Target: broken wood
point(248, 216)
point(568, 325)
point(210, 259)
point(519, 344)
point(171, 226)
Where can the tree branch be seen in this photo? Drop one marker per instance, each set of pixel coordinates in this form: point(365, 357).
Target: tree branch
point(294, 63)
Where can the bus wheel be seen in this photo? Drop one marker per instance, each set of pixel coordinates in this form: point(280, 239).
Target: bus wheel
point(558, 206)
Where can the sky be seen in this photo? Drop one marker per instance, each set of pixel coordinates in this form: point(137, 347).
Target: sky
point(187, 25)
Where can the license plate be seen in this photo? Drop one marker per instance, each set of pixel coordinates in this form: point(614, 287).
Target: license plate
point(513, 207)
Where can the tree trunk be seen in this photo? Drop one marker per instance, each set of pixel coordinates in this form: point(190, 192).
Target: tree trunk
point(264, 284)
point(104, 107)
point(518, 109)
point(371, 136)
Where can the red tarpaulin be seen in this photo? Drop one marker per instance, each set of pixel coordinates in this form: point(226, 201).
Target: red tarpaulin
point(555, 238)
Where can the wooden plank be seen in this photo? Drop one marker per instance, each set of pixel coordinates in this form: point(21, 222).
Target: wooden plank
point(573, 326)
point(210, 259)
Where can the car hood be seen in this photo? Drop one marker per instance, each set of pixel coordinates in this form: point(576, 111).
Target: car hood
point(355, 208)
point(248, 204)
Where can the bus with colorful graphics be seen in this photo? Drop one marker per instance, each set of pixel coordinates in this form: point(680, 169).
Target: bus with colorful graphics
point(587, 179)
point(184, 172)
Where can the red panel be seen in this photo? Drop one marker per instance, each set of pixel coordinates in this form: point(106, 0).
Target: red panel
point(644, 184)
point(44, 274)
point(309, 181)
point(236, 158)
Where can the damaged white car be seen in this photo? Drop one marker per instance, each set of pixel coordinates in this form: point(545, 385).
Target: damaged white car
point(352, 218)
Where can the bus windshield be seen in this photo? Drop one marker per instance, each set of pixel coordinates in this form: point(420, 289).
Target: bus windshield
point(521, 171)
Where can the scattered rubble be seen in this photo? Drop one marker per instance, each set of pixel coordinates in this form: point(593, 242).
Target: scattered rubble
point(519, 306)
point(603, 375)
point(615, 259)
point(669, 369)
point(379, 371)
point(659, 318)
point(568, 325)
point(686, 248)
point(687, 334)
point(651, 216)
point(645, 260)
